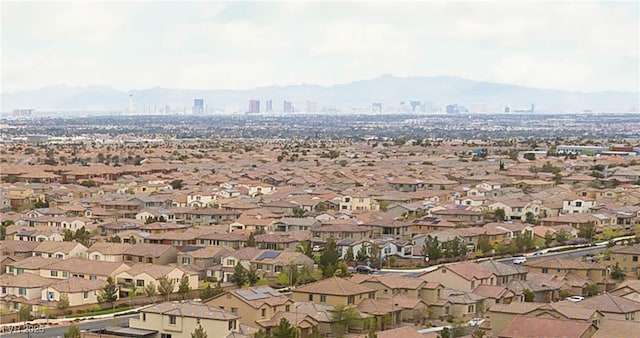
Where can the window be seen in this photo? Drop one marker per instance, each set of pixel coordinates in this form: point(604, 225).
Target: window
point(287, 308)
point(232, 325)
point(473, 284)
point(85, 294)
point(234, 310)
point(578, 204)
point(630, 316)
point(311, 297)
point(165, 335)
point(96, 257)
point(446, 310)
point(54, 273)
point(20, 271)
point(4, 289)
point(140, 282)
point(470, 309)
point(22, 291)
point(65, 274)
point(545, 270)
point(92, 277)
point(144, 316)
point(263, 313)
point(634, 258)
point(231, 262)
point(186, 260)
point(351, 300)
point(172, 320)
point(323, 299)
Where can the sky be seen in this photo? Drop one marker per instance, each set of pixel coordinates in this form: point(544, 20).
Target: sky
point(578, 46)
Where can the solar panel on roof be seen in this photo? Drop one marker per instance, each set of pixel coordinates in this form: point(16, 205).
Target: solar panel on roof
point(268, 255)
point(248, 295)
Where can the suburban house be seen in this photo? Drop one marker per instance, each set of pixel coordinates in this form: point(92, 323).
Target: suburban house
point(629, 289)
point(252, 304)
point(626, 257)
point(612, 306)
point(502, 314)
point(62, 250)
point(201, 258)
point(271, 263)
point(139, 276)
point(341, 231)
point(464, 276)
point(389, 285)
point(79, 291)
point(561, 267)
point(526, 327)
point(224, 271)
point(333, 291)
point(504, 273)
point(76, 267)
point(108, 252)
point(161, 254)
point(180, 319)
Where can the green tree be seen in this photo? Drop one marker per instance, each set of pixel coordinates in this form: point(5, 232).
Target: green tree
point(372, 328)
point(184, 287)
point(329, 259)
point(374, 256)
point(320, 207)
point(63, 303)
point(617, 273)
point(591, 289)
point(251, 240)
point(431, 248)
point(298, 212)
point(89, 183)
point(530, 156)
point(500, 215)
point(562, 236)
point(306, 248)
point(209, 292)
point(166, 286)
point(199, 332)
point(176, 184)
point(530, 218)
point(252, 276)
point(73, 332)
point(240, 275)
point(362, 255)
point(285, 330)
point(150, 290)
point(587, 231)
point(548, 239)
point(24, 314)
point(343, 318)
point(483, 243)
point(348, 256)
point(529, 296)
point(109, 293)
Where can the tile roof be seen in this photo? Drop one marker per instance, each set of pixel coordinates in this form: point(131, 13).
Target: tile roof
point(525, 327)
point(618, 328)
point(75, 284)
point(147, 249)
point(334, 286)
point(393, 281)
point(561, 263)
point(191, 309)
point(469, 270)
point(25, 280)
point(607, 302)
point(107, 248)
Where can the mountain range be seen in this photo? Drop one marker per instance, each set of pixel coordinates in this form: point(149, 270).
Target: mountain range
point(387, 89)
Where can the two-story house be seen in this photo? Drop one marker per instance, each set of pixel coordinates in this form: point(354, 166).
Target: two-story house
point(161, 254)
point(626, 257)
point(202, 258)
point(333, 291)
point(461, 276)
point(252, 304)
point(180, 319)
point(107, 251)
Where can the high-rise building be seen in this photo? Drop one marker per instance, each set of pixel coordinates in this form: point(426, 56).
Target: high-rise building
point(269, 106)
point(376, 107)
point(287, 107)
point(414, 105)
point(198, 106)
point(312, 106)
point(254, 107)
point(453, 109)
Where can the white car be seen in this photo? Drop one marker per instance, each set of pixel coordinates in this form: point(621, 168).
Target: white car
point(575, 299)
point(519, 260)
point(476, 321)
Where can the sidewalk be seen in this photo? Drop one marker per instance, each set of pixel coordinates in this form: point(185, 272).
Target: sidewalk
point(57, 321)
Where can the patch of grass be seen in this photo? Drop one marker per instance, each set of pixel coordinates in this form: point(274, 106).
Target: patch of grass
point(100, 312)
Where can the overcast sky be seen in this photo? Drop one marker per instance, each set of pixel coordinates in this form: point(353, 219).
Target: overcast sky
point(585, 46)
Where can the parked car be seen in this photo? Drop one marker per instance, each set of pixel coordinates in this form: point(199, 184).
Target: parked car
point(519, 260)
point(476, 321)
point(575, 299)
point(317, 248)
point(365, 269)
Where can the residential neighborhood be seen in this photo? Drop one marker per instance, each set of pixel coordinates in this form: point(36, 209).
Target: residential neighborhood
point(240, 244)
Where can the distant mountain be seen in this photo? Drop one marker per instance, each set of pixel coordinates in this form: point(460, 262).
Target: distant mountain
point(387, 89)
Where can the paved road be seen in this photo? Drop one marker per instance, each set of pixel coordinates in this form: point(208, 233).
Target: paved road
point(566, 254)
point(60, 330)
